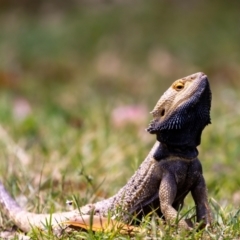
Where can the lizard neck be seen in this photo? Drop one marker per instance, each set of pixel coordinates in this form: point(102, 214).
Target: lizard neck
point(164, 151)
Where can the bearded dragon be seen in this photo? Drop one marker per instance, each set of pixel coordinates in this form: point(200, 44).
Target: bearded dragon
point(169, 172)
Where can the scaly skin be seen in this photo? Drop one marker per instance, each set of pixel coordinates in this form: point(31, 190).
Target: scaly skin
point(170, 171)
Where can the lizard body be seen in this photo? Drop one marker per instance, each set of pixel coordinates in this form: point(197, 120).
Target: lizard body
point(170, 171)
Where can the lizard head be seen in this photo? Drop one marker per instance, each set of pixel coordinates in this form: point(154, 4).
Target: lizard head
point(183, 111)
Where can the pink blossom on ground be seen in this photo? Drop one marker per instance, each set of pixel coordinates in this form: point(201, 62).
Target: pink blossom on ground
point(129, 114)
point(21, 108)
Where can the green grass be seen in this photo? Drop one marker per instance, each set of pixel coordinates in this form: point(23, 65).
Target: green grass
point(83, 160)
point(74, 66)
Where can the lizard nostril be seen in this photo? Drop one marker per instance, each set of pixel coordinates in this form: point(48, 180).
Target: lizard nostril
point(162, 112)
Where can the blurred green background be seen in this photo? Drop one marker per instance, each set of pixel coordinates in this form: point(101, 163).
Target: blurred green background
point(73, 73)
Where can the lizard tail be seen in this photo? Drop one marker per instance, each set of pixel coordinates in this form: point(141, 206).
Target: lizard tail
point(26, 220)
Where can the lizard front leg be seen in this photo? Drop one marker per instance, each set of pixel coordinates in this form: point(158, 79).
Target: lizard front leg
point(199, 193)
point(167, 195)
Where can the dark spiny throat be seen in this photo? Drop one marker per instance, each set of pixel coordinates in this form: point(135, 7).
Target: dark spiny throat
point(164, 151)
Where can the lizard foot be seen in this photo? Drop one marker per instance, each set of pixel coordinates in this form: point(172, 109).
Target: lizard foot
point(189, 223)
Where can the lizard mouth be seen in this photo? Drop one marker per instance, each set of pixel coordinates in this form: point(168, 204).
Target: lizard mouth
point(153, 126)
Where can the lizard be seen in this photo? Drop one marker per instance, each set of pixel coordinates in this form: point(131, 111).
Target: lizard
point(169, 172)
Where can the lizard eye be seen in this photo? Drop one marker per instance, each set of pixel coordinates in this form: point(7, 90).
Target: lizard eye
point(178, 86)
